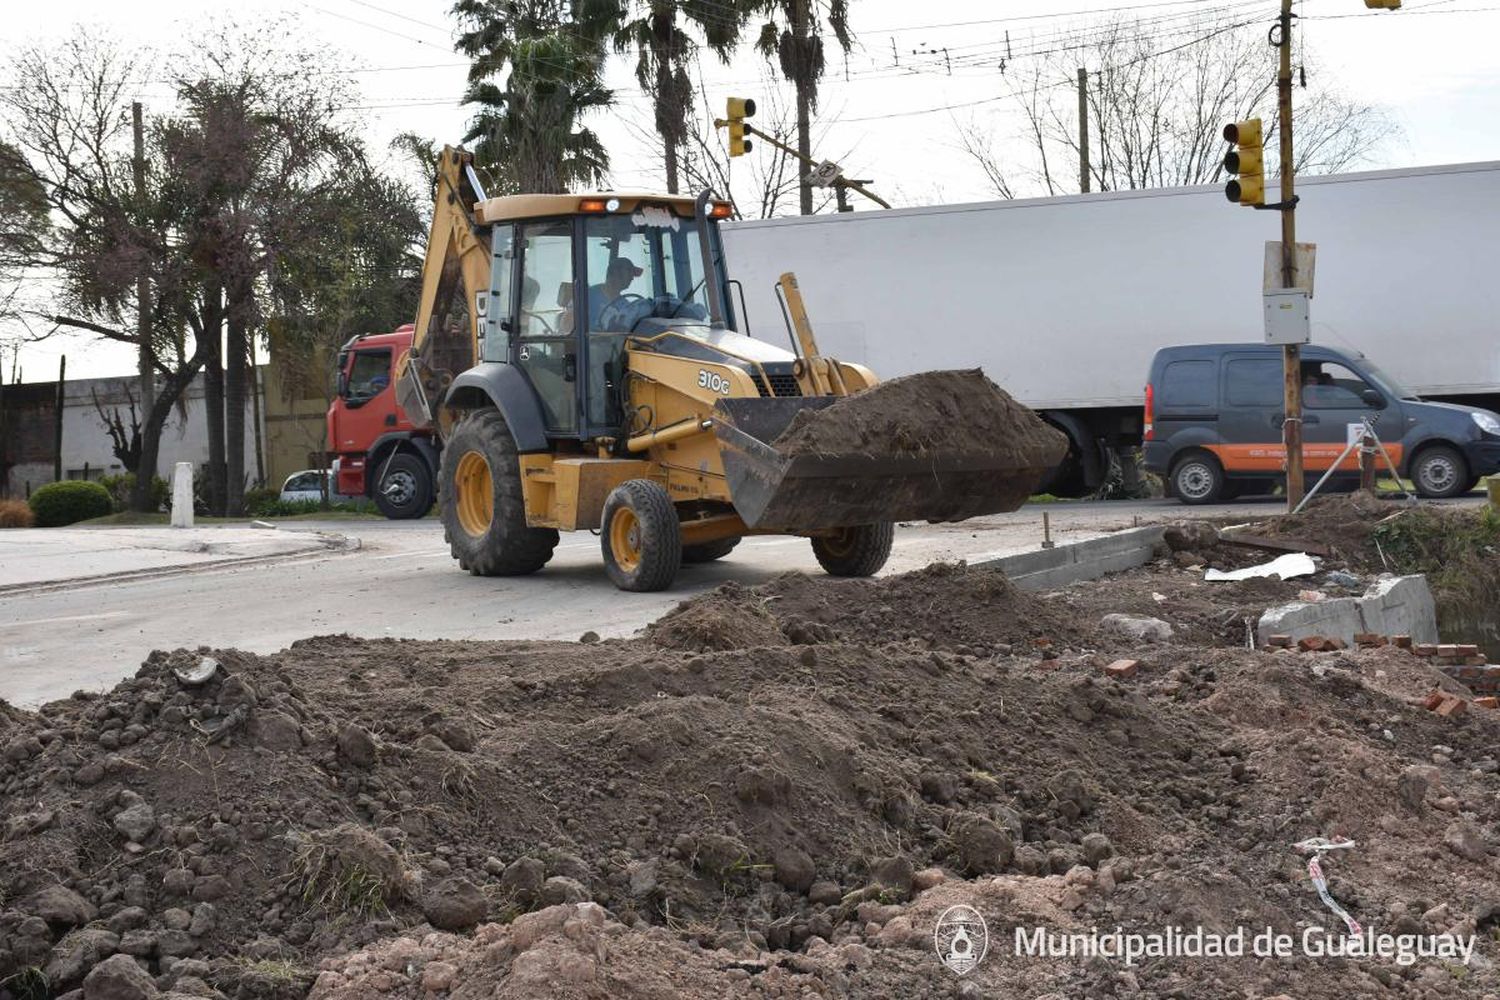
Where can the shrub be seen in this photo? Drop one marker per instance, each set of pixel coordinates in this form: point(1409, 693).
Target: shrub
point(259, 499)
point(57, 504)
point(283, 508)
point(120, 487)
point(16, 514)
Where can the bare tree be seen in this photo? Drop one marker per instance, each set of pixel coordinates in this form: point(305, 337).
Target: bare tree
point(1157, 103)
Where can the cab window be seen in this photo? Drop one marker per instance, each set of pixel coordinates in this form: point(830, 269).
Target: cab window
point(369, 375)
point(1327, 385)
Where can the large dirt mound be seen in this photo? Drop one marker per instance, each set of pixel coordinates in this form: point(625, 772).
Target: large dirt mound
point(958, 412)
point(782, 804)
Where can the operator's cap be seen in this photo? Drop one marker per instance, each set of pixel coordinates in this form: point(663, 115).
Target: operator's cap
point(623, 266)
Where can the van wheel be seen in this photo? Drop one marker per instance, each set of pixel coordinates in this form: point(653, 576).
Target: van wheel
point(1440, 472)
point(1198, 478)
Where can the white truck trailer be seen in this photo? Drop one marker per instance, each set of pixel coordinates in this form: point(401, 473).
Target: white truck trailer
point(1063, 301)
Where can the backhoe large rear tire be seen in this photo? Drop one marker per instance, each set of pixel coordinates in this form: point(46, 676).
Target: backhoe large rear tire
point(479, 496)
point(641, 536)
point(859, 551)
point(709, 551)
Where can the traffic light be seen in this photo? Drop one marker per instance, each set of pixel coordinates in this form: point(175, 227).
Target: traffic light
point(738, 110)
point(1383, 4)
point(1245, 161)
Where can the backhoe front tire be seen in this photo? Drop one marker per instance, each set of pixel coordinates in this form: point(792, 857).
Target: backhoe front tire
point(858, 551)
point(479, 496)
point(709, 551)
point(641, 537)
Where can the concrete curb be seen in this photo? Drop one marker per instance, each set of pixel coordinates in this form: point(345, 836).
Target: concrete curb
point(1046, 569)
point(330, 544)
point(1401, 605)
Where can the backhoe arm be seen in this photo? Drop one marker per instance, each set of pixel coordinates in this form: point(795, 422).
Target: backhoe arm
point(445, 341)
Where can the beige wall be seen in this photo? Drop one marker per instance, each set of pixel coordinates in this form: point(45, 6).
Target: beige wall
point(295, 430)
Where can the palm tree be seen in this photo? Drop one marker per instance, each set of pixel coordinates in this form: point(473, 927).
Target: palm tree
point(665, 50)
point(551, 55)
point(792, 35)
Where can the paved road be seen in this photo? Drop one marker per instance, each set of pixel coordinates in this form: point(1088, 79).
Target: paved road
point(401, 582)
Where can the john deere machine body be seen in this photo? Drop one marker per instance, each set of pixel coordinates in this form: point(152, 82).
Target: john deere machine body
point(614, 391)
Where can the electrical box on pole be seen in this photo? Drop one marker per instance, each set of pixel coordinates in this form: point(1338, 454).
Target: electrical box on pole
point(1287, 319)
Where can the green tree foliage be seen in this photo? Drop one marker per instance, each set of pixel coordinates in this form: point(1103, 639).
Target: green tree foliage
point(537, 69)
point(662, 35)
point(793, 36)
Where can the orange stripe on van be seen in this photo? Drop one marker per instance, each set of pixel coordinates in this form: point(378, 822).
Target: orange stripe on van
point(1315, 457)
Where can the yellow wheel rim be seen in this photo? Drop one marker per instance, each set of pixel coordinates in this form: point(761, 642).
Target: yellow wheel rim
point(841, 544)
point(475, 491)
point(625, 539)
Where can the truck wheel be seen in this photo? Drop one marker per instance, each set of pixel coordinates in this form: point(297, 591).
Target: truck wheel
point(709, 551)
point(859, 551)
point(1198, 478)
point(484, 516)
point(1439, 472)
point(641, 537)
point(405, 487)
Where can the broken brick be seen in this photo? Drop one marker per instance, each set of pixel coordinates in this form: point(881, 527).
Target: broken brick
point(1369, 639)
point(1466, 649)
point(1121, 669)
point(1451, 707)
point(1424, 649)
point(1474, 661)
point(1401, 641)
point(1312, 643)
point(1447, 649)
point(1281, 640)
point(1490, 702)
point(1333, 642)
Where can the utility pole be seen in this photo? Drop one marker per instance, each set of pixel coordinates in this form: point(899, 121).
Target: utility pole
point(1083, 130)
point(1291, 359)
point(146, 357)
point(801, 30)
point(57, 420)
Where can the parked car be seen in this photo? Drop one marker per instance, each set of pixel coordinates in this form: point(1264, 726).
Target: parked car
point(304, 485)
point(1214, 413)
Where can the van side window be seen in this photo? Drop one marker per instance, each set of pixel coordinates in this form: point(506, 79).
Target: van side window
point(1254, 382)
point(1331, 386)
point(1188, 385)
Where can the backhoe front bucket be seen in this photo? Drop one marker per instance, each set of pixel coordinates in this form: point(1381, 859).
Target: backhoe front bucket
point(783, 486)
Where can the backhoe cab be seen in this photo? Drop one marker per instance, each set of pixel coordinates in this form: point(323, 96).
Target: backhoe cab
point(613, 391)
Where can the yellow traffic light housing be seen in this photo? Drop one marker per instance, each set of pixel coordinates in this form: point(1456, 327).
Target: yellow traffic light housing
point(737, 110)
point(1383, 4)
point(1246, 161)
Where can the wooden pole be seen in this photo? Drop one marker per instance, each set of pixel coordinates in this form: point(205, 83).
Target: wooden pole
point(145, 358)
point(57, 426)
point(1291, 428)
point(1083, 130)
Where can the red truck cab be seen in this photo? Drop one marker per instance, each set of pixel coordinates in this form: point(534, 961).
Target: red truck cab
point(379, 453)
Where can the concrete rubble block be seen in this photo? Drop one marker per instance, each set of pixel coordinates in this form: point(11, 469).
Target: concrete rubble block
point(1400, 605)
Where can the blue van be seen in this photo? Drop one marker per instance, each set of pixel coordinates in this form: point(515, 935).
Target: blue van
point(1214, 414)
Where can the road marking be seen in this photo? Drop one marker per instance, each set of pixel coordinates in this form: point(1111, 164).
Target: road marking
point(67, 618)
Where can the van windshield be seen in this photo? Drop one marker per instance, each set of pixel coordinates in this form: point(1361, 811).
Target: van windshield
point(1390, 385)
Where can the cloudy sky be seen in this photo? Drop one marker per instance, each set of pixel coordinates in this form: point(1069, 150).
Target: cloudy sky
point(890, 112)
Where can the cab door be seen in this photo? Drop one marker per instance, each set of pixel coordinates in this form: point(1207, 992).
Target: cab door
point(546, 340)
point(1336, 400)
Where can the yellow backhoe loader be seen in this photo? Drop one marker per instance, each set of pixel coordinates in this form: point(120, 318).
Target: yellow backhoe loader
point(600, 380)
